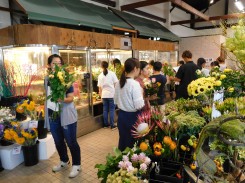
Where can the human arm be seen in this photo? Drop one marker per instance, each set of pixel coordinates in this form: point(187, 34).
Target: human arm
point(137, 96)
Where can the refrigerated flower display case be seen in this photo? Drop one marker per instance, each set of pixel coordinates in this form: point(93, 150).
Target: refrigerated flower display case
point(22, 74)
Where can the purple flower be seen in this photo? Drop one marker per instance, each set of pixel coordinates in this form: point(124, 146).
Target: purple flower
point(1, 127)
point(128, 163)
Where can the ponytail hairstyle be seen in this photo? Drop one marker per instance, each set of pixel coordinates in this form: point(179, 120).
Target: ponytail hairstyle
point(129, 66)
point(104, 66)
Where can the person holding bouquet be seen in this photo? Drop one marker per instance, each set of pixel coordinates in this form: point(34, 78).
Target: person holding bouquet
point(157, 77)
point(129, 99)
point(63, 124)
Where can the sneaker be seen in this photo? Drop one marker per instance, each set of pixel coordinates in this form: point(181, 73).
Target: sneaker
point(106, 126)
point(60, 166)
point(114, 127)
point(75, 170)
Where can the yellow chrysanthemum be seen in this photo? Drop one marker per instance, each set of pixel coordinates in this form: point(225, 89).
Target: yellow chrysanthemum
point(227, 70)
point(218, 83)
point(231, 89)
point(20, 140)
point(7, 135)
point(222, 76)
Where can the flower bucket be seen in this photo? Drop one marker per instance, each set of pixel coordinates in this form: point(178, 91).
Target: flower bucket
point(42, 132)
point(30, 154)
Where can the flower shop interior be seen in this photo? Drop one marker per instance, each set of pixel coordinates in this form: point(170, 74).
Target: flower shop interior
point(197, 139)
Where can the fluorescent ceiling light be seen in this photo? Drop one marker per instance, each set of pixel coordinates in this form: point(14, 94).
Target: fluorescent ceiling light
point(239, 5)
point(126, 33)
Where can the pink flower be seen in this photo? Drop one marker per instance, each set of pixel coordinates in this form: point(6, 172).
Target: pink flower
point(143, 167)
point(128, 163)
point(130, 169)
point(141, 157)
point(147, 160)
point(122, 165)
point(134, 158)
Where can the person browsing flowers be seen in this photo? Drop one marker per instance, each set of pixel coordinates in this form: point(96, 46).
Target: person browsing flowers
point(129, 99)
point(106, 83)
point(64, 125)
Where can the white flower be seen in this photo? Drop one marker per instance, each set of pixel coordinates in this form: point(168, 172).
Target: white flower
point(125, 158)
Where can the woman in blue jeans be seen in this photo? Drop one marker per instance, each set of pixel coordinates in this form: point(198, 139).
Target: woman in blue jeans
point(63, 127)
point(106, 83)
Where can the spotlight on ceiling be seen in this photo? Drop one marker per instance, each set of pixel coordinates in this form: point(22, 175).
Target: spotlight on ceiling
point(211, 1)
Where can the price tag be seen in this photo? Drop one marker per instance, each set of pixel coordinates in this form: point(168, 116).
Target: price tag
point(16, 150)
point(33, 124)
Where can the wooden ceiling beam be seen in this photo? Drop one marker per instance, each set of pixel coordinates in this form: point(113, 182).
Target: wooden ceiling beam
point(190, 9)
point(141, 4)
point(147, 15)
point(223, 17)
point(106, 2)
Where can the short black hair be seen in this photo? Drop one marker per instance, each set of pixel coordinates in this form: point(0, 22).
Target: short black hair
point(181, 62)
point(151, 62)
point(186, 54)
point(50, 59)
point(157, 66)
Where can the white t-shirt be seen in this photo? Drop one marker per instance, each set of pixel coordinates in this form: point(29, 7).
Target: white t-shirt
point(107, 84)
point(130, 97)
point(205, 72)
point(51, 105)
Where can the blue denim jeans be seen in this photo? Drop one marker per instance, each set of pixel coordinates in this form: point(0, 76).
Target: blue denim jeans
point(68, 134)
point(108, 107)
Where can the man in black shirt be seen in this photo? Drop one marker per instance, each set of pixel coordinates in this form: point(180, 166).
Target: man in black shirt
point(185, 75)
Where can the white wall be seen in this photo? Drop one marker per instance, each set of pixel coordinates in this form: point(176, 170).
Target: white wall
point(204, 46)
point(5, 20)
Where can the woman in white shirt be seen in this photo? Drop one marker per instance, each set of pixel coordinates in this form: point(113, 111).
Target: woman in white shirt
point(106, 83)
point(129, 99)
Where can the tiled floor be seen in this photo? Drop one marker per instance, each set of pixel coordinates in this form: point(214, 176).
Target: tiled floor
point(94, 148)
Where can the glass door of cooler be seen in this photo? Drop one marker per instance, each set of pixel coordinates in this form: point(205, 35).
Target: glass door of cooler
point(78, 61)
point(147, 55)
point(96, 57)
point(169, 57)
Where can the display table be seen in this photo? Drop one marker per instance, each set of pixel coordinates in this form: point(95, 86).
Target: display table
point(46, 147)
point(8, 158)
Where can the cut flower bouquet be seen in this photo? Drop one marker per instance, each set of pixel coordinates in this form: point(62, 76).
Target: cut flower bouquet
point(25, 137)
point(60, 81)
point(126, 166)
point(27, 107)
point(151, 86)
